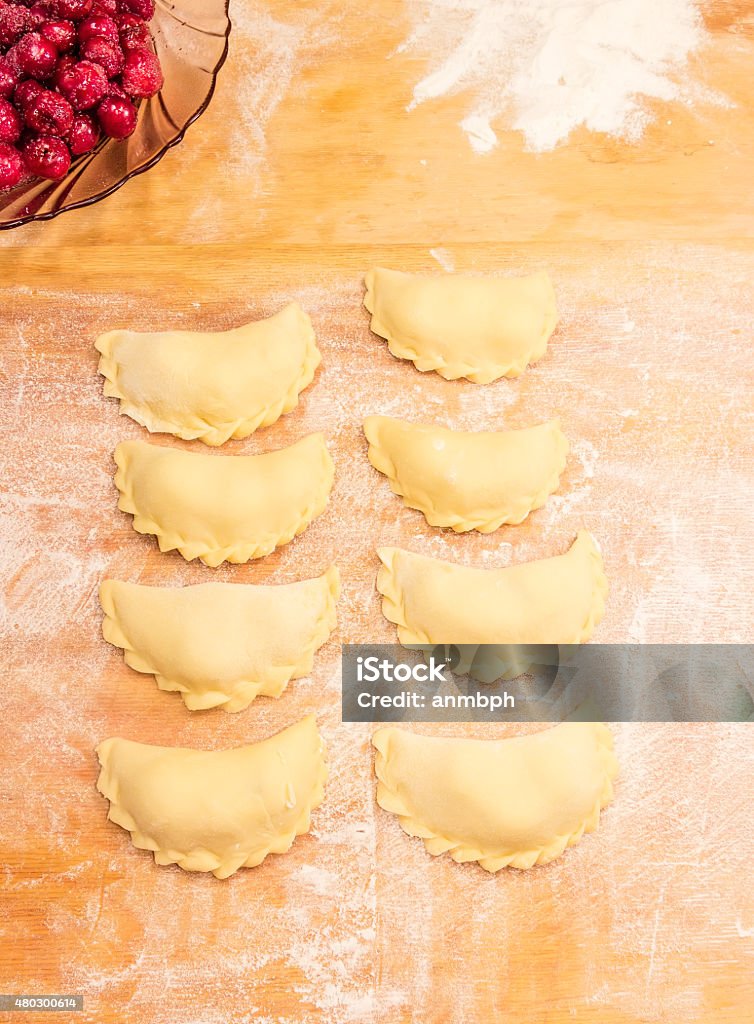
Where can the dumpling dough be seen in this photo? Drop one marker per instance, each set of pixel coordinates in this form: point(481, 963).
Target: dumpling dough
point(215, 810)
point(504, 803)
point(480, 328)
point(468, 481)
point(223, 507)
point(556, 600)
point(221, 644)
point(211, 386)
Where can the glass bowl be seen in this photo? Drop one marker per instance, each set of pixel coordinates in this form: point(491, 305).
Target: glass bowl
point(191, 40)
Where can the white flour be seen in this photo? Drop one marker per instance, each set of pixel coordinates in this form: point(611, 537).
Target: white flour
point(550, 66)
point(445, 258)
point(268, 57)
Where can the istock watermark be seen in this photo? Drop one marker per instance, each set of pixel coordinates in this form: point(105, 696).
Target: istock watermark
point(548, 682)
point(373, 670)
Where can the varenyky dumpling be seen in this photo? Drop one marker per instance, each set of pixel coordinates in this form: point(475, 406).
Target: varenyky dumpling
point(211, 386)
point(223, 507)
point(480, 328)
point(468, 480)
point(215, 810)
point(221, 644)
point(556, 600)
point(513, 802)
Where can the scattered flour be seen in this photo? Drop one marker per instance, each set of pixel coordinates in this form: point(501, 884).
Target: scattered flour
point(267, 58)
point(265, 52)
point(351, 924)
point(550, 66)
point(481, 136)
point(445, 258)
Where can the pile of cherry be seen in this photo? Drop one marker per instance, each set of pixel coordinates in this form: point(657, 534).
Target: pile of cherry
point(71, 72)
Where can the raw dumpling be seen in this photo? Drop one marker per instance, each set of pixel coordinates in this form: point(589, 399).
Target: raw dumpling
point(221, 644)
point(215, 810)
point(468, 481)
point(223, 507)
point(551, 601)
point(504, 803)
point(211, 386)
point(480, 328)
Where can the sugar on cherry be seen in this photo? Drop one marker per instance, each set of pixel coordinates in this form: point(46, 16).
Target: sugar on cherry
point(35, 55)
point(10, 122)
point(74, 9)
point(104, 52)
point(143, 9)
point(83, 84)
point(109, 7)
point(114, 89)
point(97, 25)
point(47, 7)
point(65, 63)
point(49, 113)
point(133, 32)
point(36, 16)
point(62, 34)
point(117, 117)
point(142, 74)
point(83, 136)
point(14, 20)
point(8, 79)
point(25, 92)
point(47, 157)
point(42, 10)
point(11, 166)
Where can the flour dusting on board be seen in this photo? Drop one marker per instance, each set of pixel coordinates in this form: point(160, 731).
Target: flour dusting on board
point(550, 66)
point(445, 258)
point(356, 923)
point(267, 52)
point(269, 55)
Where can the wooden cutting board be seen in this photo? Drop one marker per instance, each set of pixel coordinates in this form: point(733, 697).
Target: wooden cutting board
point(305, 171)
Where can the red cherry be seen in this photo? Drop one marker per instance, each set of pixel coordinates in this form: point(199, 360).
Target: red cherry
point(47, 157)
point(44, 10)
point(62, 34)
point(117, 117)
point(83, 84)
point(36, 16)
point(104, 52)
point(11, 57)
point(36, 56)
point(66, 62)
point(141, 8)
point(113, 89)
point(134, 33)
point(11, 166)
point(25, 92)
point(109, 7)
point(10, 122)
point(74, 9)
point(13, 22)
point(49, 114)
point(98, 25)
point(142, 74)
point(8, 79)
point(83, 136)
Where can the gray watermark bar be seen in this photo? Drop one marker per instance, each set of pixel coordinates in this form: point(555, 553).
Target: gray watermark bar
point(37, 1004)
point(548, 683)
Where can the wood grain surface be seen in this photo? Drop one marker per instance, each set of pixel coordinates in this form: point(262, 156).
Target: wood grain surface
point(306, 170)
